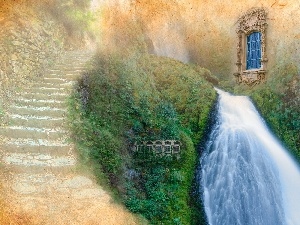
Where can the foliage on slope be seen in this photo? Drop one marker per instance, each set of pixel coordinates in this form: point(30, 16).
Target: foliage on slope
point(278, 101)
point(143, 98)
point(33, 35)
point(73, 15)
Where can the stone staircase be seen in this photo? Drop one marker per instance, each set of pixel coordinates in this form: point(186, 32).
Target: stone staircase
point(39, 168)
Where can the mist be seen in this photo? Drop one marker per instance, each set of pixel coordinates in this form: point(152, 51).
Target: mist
point(200, 32)
point(158, 24)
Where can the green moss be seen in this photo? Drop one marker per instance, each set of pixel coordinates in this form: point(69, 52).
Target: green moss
point(278, 101)
point(143, 98)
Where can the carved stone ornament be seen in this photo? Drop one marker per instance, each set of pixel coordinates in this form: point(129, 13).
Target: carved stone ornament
point(160, 147)
point(253, 20)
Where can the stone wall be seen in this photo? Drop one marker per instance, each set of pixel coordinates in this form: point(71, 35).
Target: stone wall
point(204, 32)
point(212, 39)
point(30, 40)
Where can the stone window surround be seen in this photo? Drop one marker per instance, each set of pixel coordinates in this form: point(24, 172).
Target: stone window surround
point(253, 20)
point(253, 60)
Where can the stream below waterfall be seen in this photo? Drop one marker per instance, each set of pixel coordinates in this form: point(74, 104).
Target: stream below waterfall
point(247, 177)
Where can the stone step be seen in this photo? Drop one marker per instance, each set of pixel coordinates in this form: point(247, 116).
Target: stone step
point(27, 183)
point(79, 67)
point(42, 194)
point(37, 111)
point(54, 71)
point(75, 70)
point(81, 56)
point(40, 103)
point(64, 68)
point(75, 61)
point(47, 90)
point(53, 150)
point(36, 142)
point(68, 61)
point(33, 184)
point(72, 181)
point(39, 189)
point(80, 53)
point(73, 66)
point(36, 121)
point(15, 168)
point(54, 80)
point(31, 132)
point(37, 159)
point(46, 85)
point(45, 96)
point(68, 76)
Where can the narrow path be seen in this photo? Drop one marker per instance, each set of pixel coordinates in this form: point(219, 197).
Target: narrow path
point(39, 169)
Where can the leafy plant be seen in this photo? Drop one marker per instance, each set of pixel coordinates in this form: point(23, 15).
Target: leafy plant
point(278, 101)
point(143, 98)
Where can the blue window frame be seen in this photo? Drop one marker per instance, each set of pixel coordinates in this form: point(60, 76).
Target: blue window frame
point(254, 51)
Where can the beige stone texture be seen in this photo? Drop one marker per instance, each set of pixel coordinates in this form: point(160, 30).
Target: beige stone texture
point(215, 40)
point(203, 32)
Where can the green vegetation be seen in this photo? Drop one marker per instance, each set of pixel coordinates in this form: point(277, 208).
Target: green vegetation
point(143, 98)
point(73, 15)
point(278, 101)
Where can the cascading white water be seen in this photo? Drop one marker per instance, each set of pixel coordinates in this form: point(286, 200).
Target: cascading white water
point(247, 177)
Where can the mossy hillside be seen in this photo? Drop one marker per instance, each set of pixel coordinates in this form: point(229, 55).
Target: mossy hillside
point(278, 101)
point(143, 98)
point(190, 93)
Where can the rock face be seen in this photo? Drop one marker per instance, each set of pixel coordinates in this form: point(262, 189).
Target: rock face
point(211, 28)
point(29, 41)
point(204, 32)
point(40, 175)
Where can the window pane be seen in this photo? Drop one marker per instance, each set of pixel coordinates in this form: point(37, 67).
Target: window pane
point(254, 51)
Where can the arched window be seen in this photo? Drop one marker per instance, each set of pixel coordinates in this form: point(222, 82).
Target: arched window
point(251, 47)
point(254, 51)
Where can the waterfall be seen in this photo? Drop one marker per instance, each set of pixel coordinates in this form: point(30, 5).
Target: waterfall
point(247, 177)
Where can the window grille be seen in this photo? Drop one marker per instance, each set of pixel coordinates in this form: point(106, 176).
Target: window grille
point(254, 51)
